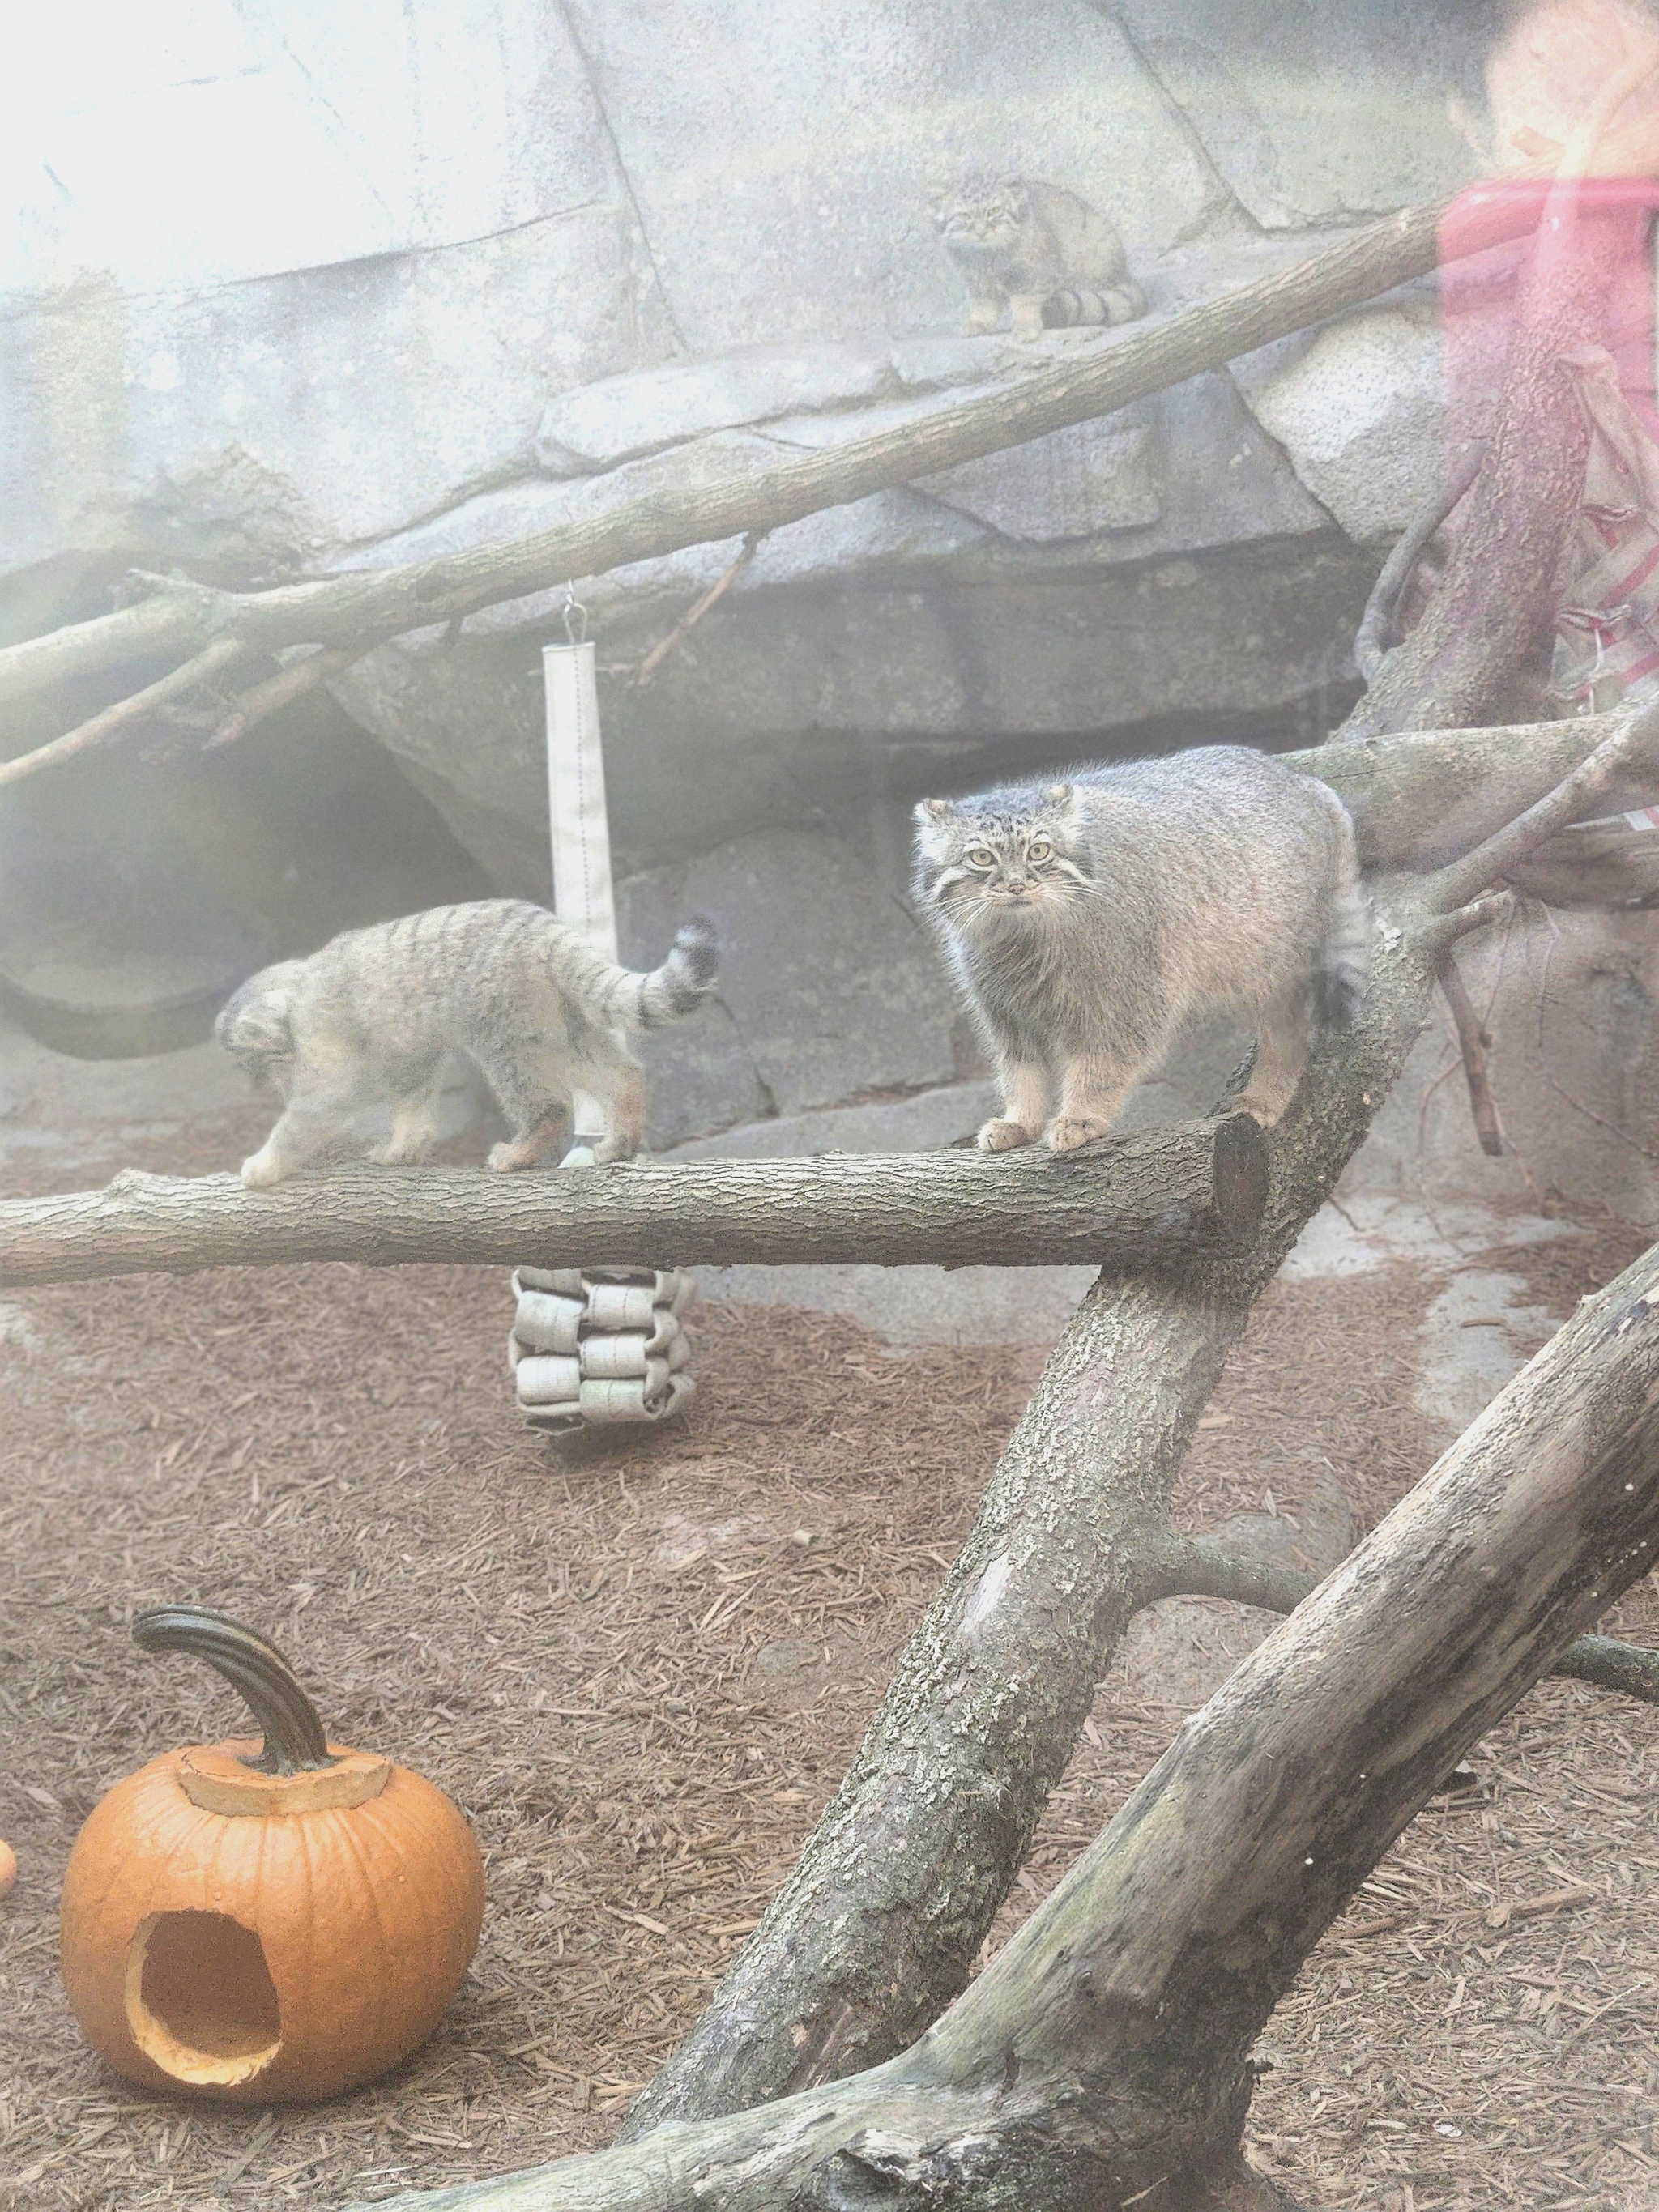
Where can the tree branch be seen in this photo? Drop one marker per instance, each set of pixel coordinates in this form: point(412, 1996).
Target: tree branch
point(1102, 2055)
point(1482, 626)
point(878, 1927)
point(212, 662)
point(1200, 1567)
point(1421, 798)
point(1472, 1040)
point(290, 681)
point(1140, 1201)
point(689, 621)
point(1613, 1666)
point(366, 606)
point(1377, 634)
point(1463, 879)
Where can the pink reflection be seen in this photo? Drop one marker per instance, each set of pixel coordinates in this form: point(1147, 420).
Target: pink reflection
point(1572, 65)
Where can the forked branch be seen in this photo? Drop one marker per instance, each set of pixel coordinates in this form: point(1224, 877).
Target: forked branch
point(877, 1928)
point(1102, 2058)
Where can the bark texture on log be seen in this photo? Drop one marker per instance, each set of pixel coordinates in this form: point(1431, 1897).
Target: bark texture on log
point(1100, 2059)
point(878, 1924)
point(1420, 798)
point(1143, 1201)
point(1484, 626)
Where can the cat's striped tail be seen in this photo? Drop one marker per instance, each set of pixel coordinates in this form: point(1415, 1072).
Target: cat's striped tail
point(677, 988)
point(1079, 304)
point(1345, 957)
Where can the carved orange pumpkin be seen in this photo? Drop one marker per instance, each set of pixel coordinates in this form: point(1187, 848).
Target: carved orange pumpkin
point(265, 1923)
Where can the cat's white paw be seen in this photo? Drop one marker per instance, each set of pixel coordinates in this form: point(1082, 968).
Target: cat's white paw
point(260, 1169)
point(1067, 1131)
point(506, 1158)
point(997, 1135)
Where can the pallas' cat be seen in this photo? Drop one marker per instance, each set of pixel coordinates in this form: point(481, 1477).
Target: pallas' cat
point(1086, 920)
point(1037, 251)
point(378, 1017)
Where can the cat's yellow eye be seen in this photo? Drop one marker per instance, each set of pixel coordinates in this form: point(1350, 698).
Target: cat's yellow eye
point(1038, 849)
point(980, 856)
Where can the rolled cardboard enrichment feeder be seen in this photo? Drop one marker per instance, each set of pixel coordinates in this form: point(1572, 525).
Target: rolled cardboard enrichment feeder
point(599, 1346)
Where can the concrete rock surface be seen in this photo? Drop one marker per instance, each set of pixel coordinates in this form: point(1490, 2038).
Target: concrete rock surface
point(1361, 410)
point(827, 986)
point(1311, 113)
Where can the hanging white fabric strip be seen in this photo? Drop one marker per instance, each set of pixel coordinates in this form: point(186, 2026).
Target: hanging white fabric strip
point(607, 1344)
point(576, 787)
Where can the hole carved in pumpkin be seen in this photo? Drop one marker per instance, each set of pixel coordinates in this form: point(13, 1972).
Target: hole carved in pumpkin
point(200, 2002)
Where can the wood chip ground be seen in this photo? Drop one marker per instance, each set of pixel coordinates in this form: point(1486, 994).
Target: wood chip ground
point(642, 1672)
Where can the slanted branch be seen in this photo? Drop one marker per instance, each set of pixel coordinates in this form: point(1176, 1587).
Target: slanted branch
point(877, 1929)
point(1102, 2059)
point(1145, 1201)
point(364, 607)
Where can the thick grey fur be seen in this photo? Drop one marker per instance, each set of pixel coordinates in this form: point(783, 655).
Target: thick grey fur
point(377, 1016)
point(1085, 920)
point(1039, 252)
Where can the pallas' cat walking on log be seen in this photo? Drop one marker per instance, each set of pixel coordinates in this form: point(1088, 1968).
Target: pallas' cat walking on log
point(1037, 250)
point(1086, 920)
point(372, 1019)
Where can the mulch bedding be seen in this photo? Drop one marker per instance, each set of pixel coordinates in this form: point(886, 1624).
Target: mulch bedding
point(642, 1670)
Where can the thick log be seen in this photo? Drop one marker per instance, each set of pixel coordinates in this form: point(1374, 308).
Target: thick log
point(1138, 1202)
point(1101, 2059)
point(1480, 631)
point(1200, 1567)
point(1420, 798)
point(1479, 640)
point(877, 1926)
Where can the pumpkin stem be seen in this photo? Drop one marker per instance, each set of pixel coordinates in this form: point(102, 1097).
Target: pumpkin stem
point(295, 1741)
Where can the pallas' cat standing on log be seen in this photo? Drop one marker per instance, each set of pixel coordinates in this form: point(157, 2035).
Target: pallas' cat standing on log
point(375, 1016)
point(1037, 250)
point(1086, 921)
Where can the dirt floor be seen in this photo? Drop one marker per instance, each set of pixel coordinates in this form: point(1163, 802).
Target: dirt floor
point(643, 1675)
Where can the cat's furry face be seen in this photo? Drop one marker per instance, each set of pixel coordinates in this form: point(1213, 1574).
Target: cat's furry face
point(1009, 861)
point(983, 217)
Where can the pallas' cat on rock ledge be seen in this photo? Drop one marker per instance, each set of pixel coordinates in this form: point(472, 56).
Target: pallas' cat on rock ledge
point(1036, 250)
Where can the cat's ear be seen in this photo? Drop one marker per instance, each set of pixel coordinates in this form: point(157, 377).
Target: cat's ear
point(931, 810)
point(1057, 795)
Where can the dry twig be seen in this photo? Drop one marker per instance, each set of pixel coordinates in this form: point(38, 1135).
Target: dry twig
point(716, 590)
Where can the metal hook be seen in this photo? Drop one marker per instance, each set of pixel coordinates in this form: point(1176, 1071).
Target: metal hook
point(575, 617)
